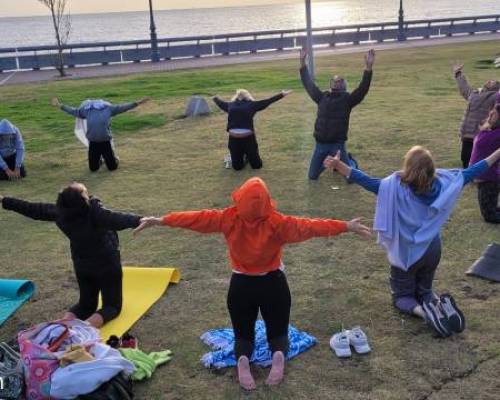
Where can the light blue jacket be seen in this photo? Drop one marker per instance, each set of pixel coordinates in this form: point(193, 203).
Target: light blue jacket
point(11, 142)
point(98, 114)
point(405, 225)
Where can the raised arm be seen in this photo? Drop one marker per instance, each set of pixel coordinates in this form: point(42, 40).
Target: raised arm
point(295, 229)
point(263, 104)
point(36, 211)
point(361, 91)
point(113, 220)
point(312, 90)
point(121, 108)
point(223, 105)
point(463, 86)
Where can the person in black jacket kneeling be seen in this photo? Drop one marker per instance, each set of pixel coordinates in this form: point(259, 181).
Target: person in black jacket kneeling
point(334, 110)
point(91, 230)
point(242, 141)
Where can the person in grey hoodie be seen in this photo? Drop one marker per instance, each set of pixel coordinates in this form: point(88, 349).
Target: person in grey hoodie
point(479, 104)
point(11, 152)
point(98, 115)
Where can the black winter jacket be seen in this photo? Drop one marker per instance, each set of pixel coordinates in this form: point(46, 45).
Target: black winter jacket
point(241, 112)
point(92, 233)
point(334, 108)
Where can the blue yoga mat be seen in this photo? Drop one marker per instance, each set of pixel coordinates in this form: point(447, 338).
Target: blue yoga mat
point(13, 294)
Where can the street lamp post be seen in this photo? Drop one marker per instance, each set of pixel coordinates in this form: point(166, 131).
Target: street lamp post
point(309, 42)
point(401, 23)
point(155, 54)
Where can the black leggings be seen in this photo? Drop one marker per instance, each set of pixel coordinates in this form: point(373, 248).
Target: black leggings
point(241, 147)
point(11, 163)
point(487, 194)
point(269, 294)
point(104, 150)
point(467, 146)
point(106, 279)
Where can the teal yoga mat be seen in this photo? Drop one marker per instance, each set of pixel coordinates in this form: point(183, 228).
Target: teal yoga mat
point(13, 294)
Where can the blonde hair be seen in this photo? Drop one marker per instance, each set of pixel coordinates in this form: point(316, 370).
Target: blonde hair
point(493, 120)
point(418, 169)
point(242, 94)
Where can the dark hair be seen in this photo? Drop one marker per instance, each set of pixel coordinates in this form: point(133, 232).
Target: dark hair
point(493, 121)
point(71, 201)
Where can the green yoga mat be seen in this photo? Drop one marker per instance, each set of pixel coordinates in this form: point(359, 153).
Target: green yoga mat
point(13, 294)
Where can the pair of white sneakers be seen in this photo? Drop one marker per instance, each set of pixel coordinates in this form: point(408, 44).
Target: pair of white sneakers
point(341, 342)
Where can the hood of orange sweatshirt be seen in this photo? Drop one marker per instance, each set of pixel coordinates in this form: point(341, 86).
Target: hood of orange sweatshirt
point(253, 201)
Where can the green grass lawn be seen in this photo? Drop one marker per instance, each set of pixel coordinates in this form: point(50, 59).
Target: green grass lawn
point(169, 163)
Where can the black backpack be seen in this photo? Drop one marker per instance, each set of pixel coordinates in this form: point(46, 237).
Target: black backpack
point(118, 388)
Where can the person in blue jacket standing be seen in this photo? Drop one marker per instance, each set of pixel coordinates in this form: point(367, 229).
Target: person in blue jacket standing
point(11, 152)
point(98, 115)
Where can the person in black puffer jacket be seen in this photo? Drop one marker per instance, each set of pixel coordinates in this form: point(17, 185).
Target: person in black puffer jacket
point(91, 230)
point(334, 110)
point(241, 111)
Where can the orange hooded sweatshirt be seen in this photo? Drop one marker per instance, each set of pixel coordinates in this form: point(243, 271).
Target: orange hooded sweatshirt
point(254, 231)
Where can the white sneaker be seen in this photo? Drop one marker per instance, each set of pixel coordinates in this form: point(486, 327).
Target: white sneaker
point(227, 161)
point(358, 340)
point(339, 343)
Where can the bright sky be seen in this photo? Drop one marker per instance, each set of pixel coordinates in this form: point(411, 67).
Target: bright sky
point(14, 8)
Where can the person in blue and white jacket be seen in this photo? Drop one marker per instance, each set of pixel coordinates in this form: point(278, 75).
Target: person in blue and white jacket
point(11, 152)
point(412, 206)
point(98, 115)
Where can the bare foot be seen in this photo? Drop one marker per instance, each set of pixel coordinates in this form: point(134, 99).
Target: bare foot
point(96, 320)
point(277, 370)
point(244, 375)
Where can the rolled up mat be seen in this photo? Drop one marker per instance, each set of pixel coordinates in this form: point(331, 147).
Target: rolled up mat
point(142, 287)
point(488, 265)
point(13, 294)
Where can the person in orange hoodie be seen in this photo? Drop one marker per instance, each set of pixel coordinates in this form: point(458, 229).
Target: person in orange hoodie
point(255, 233)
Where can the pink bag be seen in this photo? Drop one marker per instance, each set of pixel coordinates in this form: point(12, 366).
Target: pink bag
point(40, 360)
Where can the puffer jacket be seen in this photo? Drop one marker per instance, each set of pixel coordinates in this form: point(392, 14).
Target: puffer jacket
point(334, 107)
point(479, 104)
point(92, 232)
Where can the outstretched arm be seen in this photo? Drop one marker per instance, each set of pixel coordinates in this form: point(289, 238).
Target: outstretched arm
point(361, 91)
point(312, 90)
point(74, 112)
point(204, 221)
point(354, 175)
point(295, 229)
point(263, 104)
point(479, 168)
point(115, 221)
point(36, 211)
point(223, 105)
point(463, 86)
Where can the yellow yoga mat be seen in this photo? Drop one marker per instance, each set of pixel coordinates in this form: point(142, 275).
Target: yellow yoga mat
point(142, 287)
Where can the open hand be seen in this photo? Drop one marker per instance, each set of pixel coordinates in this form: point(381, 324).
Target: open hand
point(144, 100)
point(370, 59)
point(147, 222)
point(303, 56)
point(55, 102)
point(331, 163)
point(286, 92)
point(12, 175)
point(358, 228)
point(457, 67)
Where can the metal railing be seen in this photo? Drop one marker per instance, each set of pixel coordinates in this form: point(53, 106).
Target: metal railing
point(102, 53)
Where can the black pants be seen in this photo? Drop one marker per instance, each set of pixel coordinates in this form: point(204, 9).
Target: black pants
point(467, 145)
point(104, 277)
point(104, 150)
point(269, 294)
point(487, 194)
point(241, 147)
point(11, 163)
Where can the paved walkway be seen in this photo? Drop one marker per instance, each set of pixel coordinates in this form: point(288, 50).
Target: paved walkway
point(13, 78)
